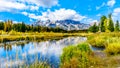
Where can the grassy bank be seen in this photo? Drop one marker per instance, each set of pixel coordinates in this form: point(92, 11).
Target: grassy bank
point(15, 36)
point(110, 41)
point(76, 56)
point(81, 56)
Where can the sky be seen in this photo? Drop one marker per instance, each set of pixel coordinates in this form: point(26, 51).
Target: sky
point(85, 11)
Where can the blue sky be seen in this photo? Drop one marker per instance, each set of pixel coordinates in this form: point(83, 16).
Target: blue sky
point(86, 11)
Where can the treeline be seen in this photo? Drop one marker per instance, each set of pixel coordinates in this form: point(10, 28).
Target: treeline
point(22, 27)
point(7, 26)
point(78, 31)
point(105, 25)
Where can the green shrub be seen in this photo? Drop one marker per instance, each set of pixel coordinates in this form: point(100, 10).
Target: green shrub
point(103, 39)
point(84, 47)
point(12, 32)
point(98, 41)
point(76, 56)
point(113, 48)
point(2, 32)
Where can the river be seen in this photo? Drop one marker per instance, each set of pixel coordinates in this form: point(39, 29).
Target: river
point(20, 54)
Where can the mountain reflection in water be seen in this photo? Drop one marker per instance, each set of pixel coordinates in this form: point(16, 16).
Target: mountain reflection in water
point(49, 51)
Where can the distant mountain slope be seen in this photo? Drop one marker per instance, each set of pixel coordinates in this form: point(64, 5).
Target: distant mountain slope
point(64, 24)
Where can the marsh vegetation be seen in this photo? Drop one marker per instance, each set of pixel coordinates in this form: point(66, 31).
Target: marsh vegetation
point(43, 47)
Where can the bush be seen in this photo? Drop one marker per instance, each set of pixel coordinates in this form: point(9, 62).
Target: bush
point(113, 48)
point(2, 32)
point(76, 56)
point(111, 42)
point(98, 41)
point(12, 32)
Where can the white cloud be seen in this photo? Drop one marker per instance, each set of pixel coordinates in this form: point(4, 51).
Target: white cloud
point(16, 22)
point(31, 15)
point(25, 13)
point(99, 15)
point(90, 21)
point(1, 20)
point(61, 14)
point(34, 8)
point(111, 3)
point(42, 3)
point(117, 10)
point(9, 5)
point(116, 14)
point(98, 7)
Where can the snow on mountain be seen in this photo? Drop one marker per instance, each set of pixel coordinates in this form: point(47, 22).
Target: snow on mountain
point(64, 24)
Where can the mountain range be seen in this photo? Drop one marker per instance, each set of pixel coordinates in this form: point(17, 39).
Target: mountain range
point(64, 24)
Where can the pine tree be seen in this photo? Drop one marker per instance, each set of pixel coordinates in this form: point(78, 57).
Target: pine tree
point(117, 26)
point(111, 24)
point(94, 28)
point(102, 20)
point(23, 27)
point(1, 26)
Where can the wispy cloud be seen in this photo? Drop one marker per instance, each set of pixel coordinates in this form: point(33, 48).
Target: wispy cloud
point(116, 14)
point(31, 15)
point(98, 7)
point(42, 3)
point(99, 15)
point(24, 13)
point(111, 3)
point(90, 21)
point(34, 8)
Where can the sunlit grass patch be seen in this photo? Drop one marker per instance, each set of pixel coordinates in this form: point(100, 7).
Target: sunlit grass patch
point(97, 41)
point(110, 41)
point(113, 48)
point(103, 39)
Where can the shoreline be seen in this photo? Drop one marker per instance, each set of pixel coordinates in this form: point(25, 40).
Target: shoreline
point(37, 36)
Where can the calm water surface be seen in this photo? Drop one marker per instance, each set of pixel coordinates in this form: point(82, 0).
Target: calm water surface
point(28, 53)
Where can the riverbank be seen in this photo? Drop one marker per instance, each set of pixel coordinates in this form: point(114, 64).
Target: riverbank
point(109, 41)
point(76, 56)
point(81, 56)
point(17, 36)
